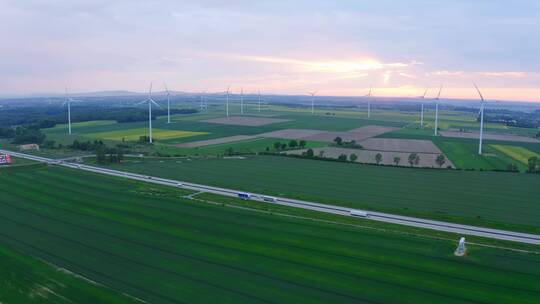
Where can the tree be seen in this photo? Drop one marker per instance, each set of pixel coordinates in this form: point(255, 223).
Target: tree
point(321, 153)
point(49, 144)
point(378, 158)
point(440, 160)
point(412, 159)
point(353, 157)
point(302, 143)
point(538, 135)
point(100, 155)
point(338, 140)
point(229, 151)
point(532, 164)
point(512, 168)
point(397, 159)
point(283, 146)
point(293, 144)
point(417, 160)
point(342, 157)
point(277, 145)
point(120, 155)
point(309, 152)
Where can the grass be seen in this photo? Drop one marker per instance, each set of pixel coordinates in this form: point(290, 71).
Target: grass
point(520, 154)
point(243, 147)
point(464, 155)
point(151, 243)
point(28, 280)
point(494, 199)
point(135, 134)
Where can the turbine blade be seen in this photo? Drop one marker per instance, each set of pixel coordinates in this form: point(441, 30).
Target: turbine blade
point(166, 89)
point(154, 103)
point(141, 102)
point(439, 94)
point(425, 93)
point(479, 93)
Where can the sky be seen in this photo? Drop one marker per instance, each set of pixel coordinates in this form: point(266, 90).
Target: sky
point(276, 47)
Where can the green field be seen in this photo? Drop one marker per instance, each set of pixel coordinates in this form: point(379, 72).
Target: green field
point(496, 199)
point(149, 242)
point(243, 147)
point(464, 155)
point(27, 280)
point(135, 134)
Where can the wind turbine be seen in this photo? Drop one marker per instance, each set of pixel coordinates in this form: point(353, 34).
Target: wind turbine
point(202, 97)
point(437, 110)
point(168, 104)
point(68, 101)
point(242, 101)
point(481, 119)
point(422, 108)
point(369, 102)
point(227, 104)
point(312, 102)
point(150, 101)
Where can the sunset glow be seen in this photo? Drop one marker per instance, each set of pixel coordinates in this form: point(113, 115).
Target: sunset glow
point(276, 47)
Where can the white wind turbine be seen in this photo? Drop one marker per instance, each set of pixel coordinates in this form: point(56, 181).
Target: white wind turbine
point(150, 101)
point(422, 109)
point(369, 102)
point(168, 104)
point(68, 101)
point(227, 102)
point(482, 105)
point(241, 101)
point(312, 102)
point(437, 110)
point(202, 98)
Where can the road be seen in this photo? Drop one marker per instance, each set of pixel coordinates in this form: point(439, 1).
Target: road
point(377, 216)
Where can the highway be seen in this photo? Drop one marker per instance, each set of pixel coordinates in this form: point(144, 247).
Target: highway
point(371, 215)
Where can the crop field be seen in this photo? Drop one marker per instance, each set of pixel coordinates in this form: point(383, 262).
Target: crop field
point(495, 199)
point(134, 134)
point(251, 121)
point(247, 146)
point(369, 156)
point(27, 280)
point(150, 243)
point(520, 154)
point(489, 136)
point(465, 155)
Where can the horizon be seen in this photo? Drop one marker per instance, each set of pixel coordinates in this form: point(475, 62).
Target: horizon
point(336, 49)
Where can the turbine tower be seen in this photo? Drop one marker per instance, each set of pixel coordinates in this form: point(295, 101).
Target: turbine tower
point(68, 101)
point(437, 110)
point(168, 104)
point(241, 101)
point(312, 102)
point(422, 109)
point(369, 102)
point(202, 98)
point(150, 101)
point(227, 102)
point(482, 102)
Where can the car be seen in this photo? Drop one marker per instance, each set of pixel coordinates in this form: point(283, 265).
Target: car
point(269, 198)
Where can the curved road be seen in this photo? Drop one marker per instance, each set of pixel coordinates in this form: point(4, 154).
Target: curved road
point(378, 216)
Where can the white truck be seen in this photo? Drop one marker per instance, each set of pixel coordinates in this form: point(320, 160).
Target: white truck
point(359, 213)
